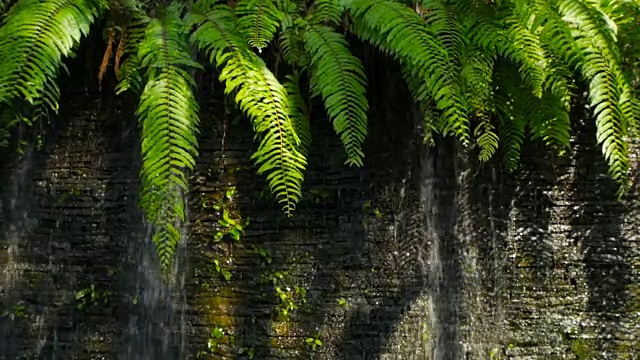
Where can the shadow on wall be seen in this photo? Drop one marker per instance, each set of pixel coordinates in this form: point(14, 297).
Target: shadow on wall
point(598, 222)
point(361, 275)
point(81, 187)
point(533, 202)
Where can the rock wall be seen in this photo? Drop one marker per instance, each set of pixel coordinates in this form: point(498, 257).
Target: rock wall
point(421, 254)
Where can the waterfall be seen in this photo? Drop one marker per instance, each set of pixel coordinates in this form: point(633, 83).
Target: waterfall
point(446, 235)
point(157, 325)
point(431, 242)
point(15, 221)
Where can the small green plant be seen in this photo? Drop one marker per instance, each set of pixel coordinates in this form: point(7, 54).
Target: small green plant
point(17, 311)
point(583, 349)
point(264, 254)
point(287, 302)
point(249, 351)
point(495, 354)
point(319, 195)
point(367, 208)
point(91, 297)
point(273, 276)
point(217, 334)
point(229, 222)
point(226, 274)
point(314, 342)
point(289, 297)
point(342, 302)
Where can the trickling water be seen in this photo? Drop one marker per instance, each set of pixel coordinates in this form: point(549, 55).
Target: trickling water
point(157, 326)
point(16, 220)
point(431, 242)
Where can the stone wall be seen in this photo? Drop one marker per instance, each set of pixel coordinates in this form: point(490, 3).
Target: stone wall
point(421, 254)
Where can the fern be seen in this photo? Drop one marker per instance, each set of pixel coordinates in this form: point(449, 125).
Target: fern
point(487, 139)
point(34, 38)
point(398, 30)
point(528, 51)
point(259, 21)
point(327, 12)
point(261, 97)
point(128, 71)
point(339, 77)
point(299, 112)
point(169, 121)
point(513, 109)
point(601, 65)
point(292, 44)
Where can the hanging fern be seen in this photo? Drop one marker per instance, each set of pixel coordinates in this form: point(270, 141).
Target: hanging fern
point(327, 12)
point(168, 115)
point(34, 39)
point(259, 20)
point(398, 30)
point(299, 112)
point(597, 41)
point(261, 96)
point(493, 73)
point(339, 78)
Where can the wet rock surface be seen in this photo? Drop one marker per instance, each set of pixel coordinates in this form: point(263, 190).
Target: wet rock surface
point(421, 254)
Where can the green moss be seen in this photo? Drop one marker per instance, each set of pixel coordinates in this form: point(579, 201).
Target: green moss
point(583, 349)
point(217, 310)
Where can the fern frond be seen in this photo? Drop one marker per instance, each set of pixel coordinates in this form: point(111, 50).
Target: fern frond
point(326, 12)
point(486, 138)
point(299, 112)
point(261, 97)
point(168, 115)
point(339, 78)
point(612, 107)
point(528, 51)
point(513, 109)
point(128, 72)
point(443, 21)
point(477, 74)
point(400, 31)
point(259, 21)
point(34, 38)
point(552, 121)
point(292, 44)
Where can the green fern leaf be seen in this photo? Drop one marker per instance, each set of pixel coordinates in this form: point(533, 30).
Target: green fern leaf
point(486, 138)
point(260, 95)
point(609, 98)
point(400, 31)
point(292, 44)
point(527, 50)
point(299, 112)
point(513, 108)
point(326, 12)
point(339, 78)
point(129, 75)
point(34, 38)
point(168, 116)
point(259, 21)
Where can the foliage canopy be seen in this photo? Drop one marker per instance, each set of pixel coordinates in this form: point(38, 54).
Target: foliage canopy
point(490, 72)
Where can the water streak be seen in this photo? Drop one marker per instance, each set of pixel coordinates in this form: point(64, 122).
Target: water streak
point(431, 242)
point(157, 324)
point(16, 220)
